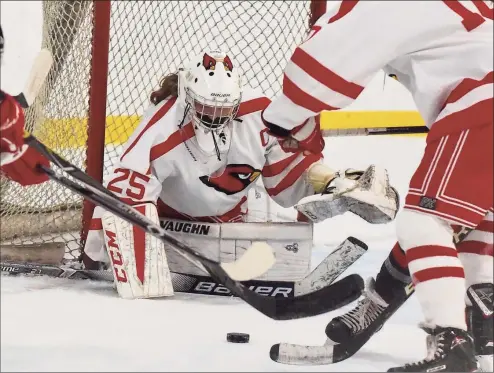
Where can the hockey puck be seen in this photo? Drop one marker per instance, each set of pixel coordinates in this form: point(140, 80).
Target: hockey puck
point(238, 337)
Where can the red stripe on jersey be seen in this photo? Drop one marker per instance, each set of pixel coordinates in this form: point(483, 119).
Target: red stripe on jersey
point(156, 117)
point(484, 9)
point(324, 75)
point(139, 247)
point(303, 99)
point(251, 106)
point(467, 85)
point(437, 272)
point(175, 139)
point(345, 8)
point(486, 226)
point(233, 215)
point(476, 247)
point(278, 167)
point(478, 114)
point(293, 175)
point(428, 251)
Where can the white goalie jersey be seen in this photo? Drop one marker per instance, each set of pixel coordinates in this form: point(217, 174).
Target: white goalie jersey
point(163, 164)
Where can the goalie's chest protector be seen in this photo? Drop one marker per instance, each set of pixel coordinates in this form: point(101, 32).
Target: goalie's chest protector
point(202, 185)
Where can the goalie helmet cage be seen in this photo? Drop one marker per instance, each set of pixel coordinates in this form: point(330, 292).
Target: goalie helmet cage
point(108, 58)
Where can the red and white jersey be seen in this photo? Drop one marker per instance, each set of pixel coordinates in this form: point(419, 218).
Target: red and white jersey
point(440, 50)
point(163, 164)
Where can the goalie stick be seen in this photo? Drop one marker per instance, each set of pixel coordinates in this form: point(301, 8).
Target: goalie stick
point(347, 253)
point(331, 352)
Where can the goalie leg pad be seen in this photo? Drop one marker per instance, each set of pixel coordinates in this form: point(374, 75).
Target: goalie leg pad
point(139, 262)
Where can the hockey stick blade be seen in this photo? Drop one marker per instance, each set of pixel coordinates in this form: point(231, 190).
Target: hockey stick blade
point(331, 352)
point(54, 271)
point(256, 261)
point(37, 76)
point(337, 262)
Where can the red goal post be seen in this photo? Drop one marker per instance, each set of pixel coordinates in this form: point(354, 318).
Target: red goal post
point(108, 57)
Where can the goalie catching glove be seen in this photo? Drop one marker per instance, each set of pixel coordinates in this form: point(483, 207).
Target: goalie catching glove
point(140, 266)
point(367, 194)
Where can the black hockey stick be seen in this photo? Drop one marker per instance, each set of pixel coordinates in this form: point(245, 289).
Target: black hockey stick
point(370, 131)
point(321, 301)
point(332, 352)
point(347, 253)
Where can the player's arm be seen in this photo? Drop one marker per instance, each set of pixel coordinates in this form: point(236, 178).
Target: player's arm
point(319, 192)
point(18, 161)
point(284, 174)
point(330, 70)
point(139, 260)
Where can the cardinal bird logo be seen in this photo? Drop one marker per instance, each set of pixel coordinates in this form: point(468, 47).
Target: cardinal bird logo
point(209, 62)
point(227, 62)
point(234, 179)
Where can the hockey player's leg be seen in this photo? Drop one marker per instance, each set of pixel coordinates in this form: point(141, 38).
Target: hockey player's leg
point(453, 184)
point(476, 254)
point(439, 281)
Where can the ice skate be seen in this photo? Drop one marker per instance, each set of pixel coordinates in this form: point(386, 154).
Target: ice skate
point(353, 323)
point(448, 350)
point(480, 324)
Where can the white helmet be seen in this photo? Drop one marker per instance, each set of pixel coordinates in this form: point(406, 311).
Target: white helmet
point(210, 87)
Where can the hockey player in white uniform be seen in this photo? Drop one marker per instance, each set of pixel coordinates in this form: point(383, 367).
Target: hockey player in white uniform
point(194, 157)
point(441, 51)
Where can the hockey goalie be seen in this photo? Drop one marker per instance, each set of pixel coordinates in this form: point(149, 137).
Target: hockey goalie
point(191, 163)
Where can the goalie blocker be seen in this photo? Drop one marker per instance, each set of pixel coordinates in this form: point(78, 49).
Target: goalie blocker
point(227, 242)
point(142, 264)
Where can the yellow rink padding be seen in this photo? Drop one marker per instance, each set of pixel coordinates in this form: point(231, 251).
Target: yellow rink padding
point(362, 119)
point(72, 132)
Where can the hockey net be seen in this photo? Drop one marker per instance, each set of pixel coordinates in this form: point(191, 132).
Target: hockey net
point(132, 45)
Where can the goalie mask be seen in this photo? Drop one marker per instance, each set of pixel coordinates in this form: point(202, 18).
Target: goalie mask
point(210, 88)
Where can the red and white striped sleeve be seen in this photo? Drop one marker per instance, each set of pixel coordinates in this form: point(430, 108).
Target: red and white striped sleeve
point(284, 175)
point(344, 51)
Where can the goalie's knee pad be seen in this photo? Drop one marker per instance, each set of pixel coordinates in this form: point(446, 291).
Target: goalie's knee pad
point(138, 259)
